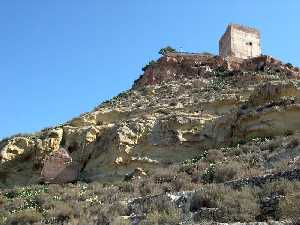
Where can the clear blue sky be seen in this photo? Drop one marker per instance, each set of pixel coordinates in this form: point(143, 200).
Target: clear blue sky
point(59, 58)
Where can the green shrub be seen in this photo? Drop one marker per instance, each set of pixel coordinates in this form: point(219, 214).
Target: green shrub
point(206, 53)
point(209, 174)
point(289, 65)
point(195, 159)
point(166, 50)
point(151, 63)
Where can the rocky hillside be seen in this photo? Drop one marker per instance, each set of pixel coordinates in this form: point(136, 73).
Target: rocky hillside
point(202, 118)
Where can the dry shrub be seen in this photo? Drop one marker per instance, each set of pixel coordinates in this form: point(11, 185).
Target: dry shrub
point(166, 217)
point(162, 212)
point(120, 221)
point(149, 187)
point(214, 155)
point(289, 195)
point(239, 206)
point(44, 200)
point(293, 143)
point(225, 172)
point(15, 203)
point(282, 187)
point(2, 200)
point(249, 172)
point(233, 205)
point(62, 211)
point(117, 209)
point(182, 182)
point(281, 165)
point(207, 197)
point(126, 187)
point(3, 174)
point(28, 216)
point(289, 207)
point(164, 175)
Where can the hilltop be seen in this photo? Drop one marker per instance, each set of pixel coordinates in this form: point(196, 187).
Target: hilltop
point(224, 130)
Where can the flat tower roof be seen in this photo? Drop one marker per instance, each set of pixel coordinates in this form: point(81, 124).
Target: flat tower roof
point(244, 28)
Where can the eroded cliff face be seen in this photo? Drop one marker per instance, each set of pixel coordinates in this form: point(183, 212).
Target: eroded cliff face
point(181, 106)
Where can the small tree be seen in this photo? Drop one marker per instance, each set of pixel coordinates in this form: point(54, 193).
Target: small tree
point(289, 65)
point(166, 50)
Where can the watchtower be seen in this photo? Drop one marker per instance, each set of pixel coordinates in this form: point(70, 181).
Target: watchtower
point(240, 41)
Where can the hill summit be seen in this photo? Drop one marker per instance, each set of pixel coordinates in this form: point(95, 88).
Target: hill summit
point(204, 124)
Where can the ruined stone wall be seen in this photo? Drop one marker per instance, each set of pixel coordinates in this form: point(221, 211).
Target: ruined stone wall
point(261, 180)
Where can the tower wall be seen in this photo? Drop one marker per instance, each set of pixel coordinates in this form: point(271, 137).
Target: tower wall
point(241, 42)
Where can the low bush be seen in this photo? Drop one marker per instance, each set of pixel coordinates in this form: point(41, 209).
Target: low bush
point(233, 205)
point(28, 216)
point(166, 217)
point(149, 187)
point(126, 187)
point(226, 172)
point(289, 207)
point(282, 187)
point(209, 174)
point(289, 65)
point(239, 205)
point(214, 155)
point(62, 211)
point(166, 50)
point(207, 197)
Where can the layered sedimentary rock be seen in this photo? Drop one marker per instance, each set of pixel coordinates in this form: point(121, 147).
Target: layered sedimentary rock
point(182, 105)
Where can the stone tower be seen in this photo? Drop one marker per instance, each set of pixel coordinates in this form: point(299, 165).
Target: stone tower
point(240, 41)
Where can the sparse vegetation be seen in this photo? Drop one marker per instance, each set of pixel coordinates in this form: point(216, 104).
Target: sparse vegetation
point(289, 65)
point(166, 50)
point(28, 216)
point(104, 203)
point(198, 116)
point(232, 205)
point(151, 63)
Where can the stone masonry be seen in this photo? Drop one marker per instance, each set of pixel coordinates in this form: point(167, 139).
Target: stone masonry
point(240, 41)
